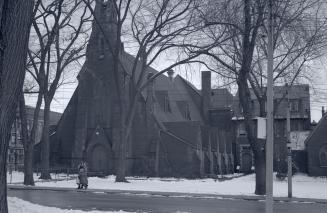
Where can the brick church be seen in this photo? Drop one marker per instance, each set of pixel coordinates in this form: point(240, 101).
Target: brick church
point(177, 130)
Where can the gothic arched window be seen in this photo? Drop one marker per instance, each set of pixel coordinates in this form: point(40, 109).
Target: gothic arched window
point(323, 156)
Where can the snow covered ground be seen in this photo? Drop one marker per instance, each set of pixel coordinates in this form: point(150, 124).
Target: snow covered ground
point(17, 205)
point(303, 186)
point(18, 177)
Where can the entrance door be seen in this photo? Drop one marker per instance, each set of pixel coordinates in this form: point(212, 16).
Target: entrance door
point(99, 159)
point(246, 162)
point(246, 159)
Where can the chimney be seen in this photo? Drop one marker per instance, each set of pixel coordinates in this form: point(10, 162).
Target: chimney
point(322, 111)
point(206, 93)
point(170, 74)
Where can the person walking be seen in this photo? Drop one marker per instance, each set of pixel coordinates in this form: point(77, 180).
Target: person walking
point(82, 181)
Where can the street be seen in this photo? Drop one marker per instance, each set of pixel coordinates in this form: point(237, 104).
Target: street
point(145, 203)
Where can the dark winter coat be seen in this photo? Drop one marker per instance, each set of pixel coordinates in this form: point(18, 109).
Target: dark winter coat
point(82, 175)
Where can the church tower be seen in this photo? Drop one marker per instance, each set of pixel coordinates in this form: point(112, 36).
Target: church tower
point(104, 31)
point(95, 113)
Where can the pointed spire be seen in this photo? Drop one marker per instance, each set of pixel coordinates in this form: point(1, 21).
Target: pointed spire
point(104, 28)
point(105, 17)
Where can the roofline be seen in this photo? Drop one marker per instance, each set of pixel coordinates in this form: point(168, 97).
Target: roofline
point(316, 128)
point(189, 84)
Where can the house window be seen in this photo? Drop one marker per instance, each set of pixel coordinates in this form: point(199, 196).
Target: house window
point(187, 114)
point(296, 125)
point(166, 104)
point(241, 130)
point(11, 159)
point(294, 105)
point(162, 98)
point(279, 128)
point(323, 156)
point(184, 108)
point(20, 159)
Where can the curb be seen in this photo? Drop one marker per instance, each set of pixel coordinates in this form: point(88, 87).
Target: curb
point(172, 194)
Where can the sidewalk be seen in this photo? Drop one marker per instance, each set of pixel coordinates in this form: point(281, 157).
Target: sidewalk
point(172, 194)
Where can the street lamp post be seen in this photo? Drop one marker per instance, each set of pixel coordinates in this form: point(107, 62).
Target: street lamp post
point(288, 142)
point(270, 128)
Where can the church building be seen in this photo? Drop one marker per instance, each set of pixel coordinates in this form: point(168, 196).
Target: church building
point(177, 130)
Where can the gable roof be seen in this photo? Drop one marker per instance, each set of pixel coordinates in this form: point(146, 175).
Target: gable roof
point(177, 95)
point(54, 116)
point(175, 89)
point(321, 126)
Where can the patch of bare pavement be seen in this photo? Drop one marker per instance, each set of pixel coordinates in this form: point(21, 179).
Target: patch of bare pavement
point(145, 201)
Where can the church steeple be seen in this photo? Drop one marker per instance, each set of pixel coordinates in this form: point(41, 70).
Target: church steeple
point(104, 29)
point(106, 14)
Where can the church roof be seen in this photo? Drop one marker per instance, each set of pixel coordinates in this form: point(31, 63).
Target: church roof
point(178, 96)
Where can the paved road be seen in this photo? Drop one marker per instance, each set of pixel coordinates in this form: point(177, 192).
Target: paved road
point(144, 203)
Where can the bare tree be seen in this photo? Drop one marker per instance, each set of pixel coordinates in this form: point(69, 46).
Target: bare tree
point(14, 28)
point(61, 31)
point(299, 38)
point(29, 136)
point(242, 21)
point(157, 27)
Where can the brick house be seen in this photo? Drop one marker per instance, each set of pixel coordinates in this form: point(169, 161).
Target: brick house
point(177, 130)
point(300, 127)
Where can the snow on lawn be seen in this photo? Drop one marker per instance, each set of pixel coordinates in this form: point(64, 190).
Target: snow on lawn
point(303, 186)
point(17, 205)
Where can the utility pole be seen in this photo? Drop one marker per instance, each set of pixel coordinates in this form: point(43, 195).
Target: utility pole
point(288, 142)
point(270, 116)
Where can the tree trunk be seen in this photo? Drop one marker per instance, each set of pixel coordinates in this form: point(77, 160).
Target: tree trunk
point(15, 17)
point(28, 146)
point(121, 170)
point(45, 151)
point(260, 155)
point(126, 120)
point(260, 169)
point(256, 145)
point(5, 129)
